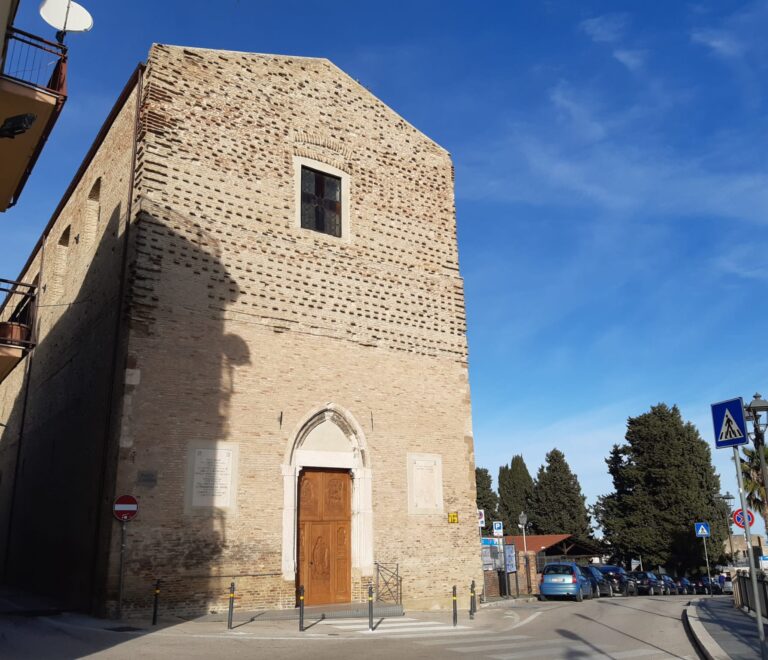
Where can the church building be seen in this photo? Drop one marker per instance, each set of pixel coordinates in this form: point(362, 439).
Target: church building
point(247, 314)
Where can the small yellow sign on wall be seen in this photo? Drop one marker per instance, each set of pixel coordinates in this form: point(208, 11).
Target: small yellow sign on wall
point(453, 517)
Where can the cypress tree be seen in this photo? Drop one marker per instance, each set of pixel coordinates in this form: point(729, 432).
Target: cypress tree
point(487, 500)
point(664, 482)
point(515, 489)
point(557, 504)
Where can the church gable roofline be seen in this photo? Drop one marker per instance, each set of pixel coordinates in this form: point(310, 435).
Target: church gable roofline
point(321, 61)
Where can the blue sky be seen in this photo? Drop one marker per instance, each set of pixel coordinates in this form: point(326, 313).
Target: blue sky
point(611, 182)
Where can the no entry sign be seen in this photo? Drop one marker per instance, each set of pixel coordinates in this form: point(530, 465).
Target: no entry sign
point(738, 518)
point(125, 507)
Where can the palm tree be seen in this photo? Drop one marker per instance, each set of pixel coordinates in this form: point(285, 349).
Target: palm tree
point(753, 482)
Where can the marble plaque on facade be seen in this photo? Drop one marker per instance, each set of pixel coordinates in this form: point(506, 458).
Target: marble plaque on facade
point(211, 476)
point(425, 483)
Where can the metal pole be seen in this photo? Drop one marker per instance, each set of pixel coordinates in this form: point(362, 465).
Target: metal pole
point(472, 604)
point(301, 608)
point(154, 605)
point(455, 611)
point(525, 543)
point(506, 575)
point(730, 538)
point(709, 575)
point(750, 555)
point(120, 576)
point(527, 566)
point(231, 605)
point(370, 607)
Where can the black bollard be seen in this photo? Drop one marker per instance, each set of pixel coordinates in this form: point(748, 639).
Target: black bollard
point(370, 607)
point(301, 608)
point(231, 604)
point(455, 611)
point(154, 605)
point(472, 601)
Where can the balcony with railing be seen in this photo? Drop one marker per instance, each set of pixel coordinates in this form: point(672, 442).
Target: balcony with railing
point(36, 62)
point(33, 88)
point(16, 326)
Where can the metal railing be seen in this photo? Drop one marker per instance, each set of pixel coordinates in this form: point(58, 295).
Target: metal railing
point(389, 584)
point(18, 313)
point(36, 62)
point(742, 591)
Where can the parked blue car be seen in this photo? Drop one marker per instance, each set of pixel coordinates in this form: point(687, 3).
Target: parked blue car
point(566, 580)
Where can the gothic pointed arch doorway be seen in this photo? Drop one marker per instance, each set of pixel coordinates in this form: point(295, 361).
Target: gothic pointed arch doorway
point(327, 513)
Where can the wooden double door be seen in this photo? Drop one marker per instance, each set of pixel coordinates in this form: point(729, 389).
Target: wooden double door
point(325, 549)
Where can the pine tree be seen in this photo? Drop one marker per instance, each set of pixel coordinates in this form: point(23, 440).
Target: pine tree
point(557, 504)
point(487, 500)
point(515, 490)
point(663, 482)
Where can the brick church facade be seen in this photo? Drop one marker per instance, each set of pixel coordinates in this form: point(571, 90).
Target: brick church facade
point(250, 317)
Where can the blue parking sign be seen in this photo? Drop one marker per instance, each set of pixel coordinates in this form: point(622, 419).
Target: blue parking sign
point(730, 425)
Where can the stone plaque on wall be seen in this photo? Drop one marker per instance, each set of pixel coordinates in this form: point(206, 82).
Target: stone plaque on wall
point(425, 483)
point(212, 476)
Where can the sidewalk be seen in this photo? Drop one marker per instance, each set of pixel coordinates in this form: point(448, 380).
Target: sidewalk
point(721, 630)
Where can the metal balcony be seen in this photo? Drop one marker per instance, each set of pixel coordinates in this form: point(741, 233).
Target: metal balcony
point(33, 89)
point(16, 326)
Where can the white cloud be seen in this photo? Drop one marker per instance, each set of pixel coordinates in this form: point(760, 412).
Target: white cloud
point(608, 28)
point(632, 59)
point(722, 42)
point(581, 116)
point(614, 162)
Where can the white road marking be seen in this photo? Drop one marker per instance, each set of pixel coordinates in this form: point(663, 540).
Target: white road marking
point(441, 634)
point(389, 626)
point(528, 620)
point(389, 632)
point(336, 622)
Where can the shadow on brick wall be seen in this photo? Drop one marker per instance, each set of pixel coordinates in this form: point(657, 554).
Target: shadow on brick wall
point(89, 431)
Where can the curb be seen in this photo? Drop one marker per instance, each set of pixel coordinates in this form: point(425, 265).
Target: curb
point(509, 602)
point(705, 643)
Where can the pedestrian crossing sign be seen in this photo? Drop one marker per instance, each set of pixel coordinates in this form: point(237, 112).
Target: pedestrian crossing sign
point(702, 529)
point(730, 425)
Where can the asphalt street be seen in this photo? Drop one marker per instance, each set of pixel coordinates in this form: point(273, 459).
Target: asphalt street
point(619, 628)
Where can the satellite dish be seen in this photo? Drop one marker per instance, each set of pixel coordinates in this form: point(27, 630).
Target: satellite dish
point(66, 15)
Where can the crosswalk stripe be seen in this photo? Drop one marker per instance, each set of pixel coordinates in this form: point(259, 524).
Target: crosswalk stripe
point(337, 622)
point(387, 625)
point(441, 634)
point(389, 631)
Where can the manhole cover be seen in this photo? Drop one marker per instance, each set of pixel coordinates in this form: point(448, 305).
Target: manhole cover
point(125, 629)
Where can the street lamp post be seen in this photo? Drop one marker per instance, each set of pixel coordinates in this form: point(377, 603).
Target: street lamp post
point(523, 520)
point(728, 499)
point(754, 408)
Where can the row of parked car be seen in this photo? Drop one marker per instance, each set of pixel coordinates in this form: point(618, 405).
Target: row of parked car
point(568, 579)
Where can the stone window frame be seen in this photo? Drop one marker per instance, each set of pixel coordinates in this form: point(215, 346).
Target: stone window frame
point(347, 218)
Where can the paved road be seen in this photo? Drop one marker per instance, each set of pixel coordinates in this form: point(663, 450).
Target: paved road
point(620, 628)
